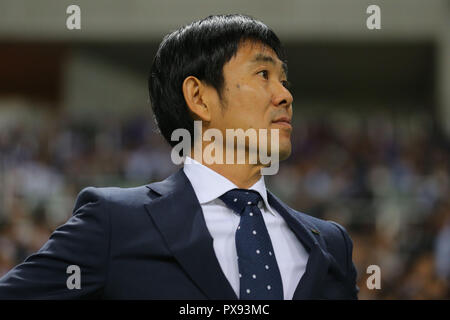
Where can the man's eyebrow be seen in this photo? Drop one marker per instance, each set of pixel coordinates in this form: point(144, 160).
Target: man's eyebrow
point(265, 58)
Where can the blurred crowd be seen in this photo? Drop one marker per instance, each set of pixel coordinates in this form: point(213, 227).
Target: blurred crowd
point(386, 179)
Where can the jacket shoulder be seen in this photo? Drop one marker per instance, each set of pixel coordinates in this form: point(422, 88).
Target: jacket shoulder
point(113, 196)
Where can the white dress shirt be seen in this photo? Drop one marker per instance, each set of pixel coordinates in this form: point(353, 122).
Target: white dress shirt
point(222, 223)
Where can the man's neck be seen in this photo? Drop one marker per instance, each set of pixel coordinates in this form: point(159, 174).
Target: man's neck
point(242, 175)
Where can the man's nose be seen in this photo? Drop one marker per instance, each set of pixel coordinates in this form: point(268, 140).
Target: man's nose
point(282, 96)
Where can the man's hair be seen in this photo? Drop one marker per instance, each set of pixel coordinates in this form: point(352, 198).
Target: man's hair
point(199, 49)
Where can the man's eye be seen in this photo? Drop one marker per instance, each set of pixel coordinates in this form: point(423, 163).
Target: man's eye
point(264, 73)
point(286, 84)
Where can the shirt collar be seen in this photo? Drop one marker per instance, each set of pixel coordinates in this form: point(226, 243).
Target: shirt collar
point(209, 185)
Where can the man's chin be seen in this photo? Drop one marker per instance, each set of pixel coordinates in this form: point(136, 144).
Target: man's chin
point(285, 153)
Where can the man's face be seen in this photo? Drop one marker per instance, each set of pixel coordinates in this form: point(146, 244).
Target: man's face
point(255, 96)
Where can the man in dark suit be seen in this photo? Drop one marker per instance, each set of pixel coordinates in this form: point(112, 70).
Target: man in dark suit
point(210, 230)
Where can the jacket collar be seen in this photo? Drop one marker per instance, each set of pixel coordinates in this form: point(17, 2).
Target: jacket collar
point(198, 173)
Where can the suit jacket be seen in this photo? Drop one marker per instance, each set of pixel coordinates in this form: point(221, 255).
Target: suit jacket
point(151, 242)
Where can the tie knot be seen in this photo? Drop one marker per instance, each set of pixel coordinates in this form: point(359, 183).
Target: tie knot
point(238, 199)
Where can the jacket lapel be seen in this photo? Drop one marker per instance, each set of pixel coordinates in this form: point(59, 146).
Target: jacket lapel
point(177, 214)
point(319, 259)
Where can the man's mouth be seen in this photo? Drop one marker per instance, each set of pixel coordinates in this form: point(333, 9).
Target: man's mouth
point(283, 121)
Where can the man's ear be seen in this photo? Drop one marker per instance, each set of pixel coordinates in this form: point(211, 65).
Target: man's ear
point(194, 92)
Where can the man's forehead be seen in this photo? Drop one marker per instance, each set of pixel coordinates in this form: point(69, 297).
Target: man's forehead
point(256, 52)
point(251, 48)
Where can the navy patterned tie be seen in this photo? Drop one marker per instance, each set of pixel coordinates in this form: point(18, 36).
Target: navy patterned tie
point(260, 278)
